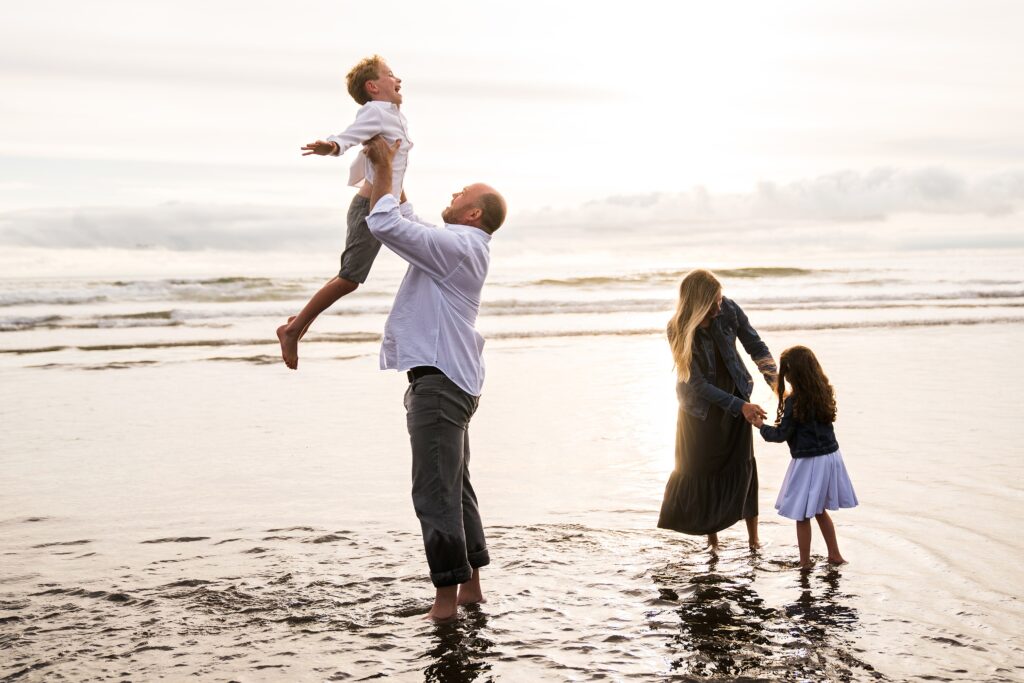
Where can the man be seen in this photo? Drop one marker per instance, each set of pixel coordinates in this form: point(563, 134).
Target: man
point(430, 334)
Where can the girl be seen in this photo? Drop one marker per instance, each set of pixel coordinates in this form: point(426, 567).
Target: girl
point(816, 478)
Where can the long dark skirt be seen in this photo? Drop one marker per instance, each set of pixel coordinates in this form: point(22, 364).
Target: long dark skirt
point(714, 484)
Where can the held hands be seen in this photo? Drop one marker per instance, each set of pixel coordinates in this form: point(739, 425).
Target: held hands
point(319, 147)
point(754, 414)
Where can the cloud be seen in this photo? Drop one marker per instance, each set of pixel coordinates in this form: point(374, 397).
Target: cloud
point(845, 196)
point(884, 208)
point(176, 226)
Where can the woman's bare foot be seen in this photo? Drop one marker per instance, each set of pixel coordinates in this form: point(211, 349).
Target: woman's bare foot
point(712, 542)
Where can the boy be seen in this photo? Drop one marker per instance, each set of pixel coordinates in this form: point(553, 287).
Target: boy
point(372, 84)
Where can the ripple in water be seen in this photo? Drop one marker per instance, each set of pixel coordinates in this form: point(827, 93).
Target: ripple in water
point(565, 602)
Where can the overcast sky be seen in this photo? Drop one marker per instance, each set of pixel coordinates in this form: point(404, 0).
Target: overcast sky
point(560, 104)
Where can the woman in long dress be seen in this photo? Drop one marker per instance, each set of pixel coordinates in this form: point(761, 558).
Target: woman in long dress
point(714, 484)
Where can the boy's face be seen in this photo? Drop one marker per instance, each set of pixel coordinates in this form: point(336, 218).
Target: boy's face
point(386, 87)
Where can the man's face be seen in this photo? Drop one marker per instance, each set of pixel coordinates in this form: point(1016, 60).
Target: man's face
point(387, 86)
point(463, 202)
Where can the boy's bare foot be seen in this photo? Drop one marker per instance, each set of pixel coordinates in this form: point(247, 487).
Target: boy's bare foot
point(289, 346)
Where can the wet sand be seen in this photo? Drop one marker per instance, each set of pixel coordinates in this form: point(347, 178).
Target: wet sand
point(235, 521)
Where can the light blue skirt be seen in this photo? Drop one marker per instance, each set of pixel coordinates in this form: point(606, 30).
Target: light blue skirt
point(813, 485)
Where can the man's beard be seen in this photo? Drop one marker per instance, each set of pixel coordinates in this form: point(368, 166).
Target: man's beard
point(446, 215)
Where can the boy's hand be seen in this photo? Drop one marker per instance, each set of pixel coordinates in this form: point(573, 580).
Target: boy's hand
point(319, 147)
point(380, 152)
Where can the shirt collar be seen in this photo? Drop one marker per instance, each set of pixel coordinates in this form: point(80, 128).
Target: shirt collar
point(469, 230)
point(381, 103)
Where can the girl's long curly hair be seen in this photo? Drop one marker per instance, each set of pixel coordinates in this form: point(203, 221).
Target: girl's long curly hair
point(813, 395)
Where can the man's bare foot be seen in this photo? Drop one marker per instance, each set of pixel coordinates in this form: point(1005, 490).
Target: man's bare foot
point(470, 596)
point(441, 617)
point(445, 607)
point(470, 592)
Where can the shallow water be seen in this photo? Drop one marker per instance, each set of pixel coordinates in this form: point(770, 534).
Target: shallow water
point(571, 603)
point(178, 510)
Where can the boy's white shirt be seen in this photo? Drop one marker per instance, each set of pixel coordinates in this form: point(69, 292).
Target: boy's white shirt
point(376, 118)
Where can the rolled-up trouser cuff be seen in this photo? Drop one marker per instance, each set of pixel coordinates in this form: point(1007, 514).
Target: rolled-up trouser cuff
point(452, 577)
point(479, 559)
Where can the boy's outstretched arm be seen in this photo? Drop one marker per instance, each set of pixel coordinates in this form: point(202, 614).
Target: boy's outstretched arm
point(321, 147)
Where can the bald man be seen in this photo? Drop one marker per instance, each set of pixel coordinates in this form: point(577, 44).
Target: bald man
point(430, 335)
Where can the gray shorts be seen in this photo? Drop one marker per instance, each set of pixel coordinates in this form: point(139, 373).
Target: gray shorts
point(361, 246)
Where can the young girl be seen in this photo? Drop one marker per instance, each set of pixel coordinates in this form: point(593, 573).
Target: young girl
point(816, 479)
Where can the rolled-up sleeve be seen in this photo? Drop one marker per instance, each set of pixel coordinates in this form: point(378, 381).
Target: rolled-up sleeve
point(434, 250)
point(754, 345)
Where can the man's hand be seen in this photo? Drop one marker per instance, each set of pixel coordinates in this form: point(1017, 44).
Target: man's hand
point(380, 155)
point(380, 152)
point(754, 413)
point(319, 147)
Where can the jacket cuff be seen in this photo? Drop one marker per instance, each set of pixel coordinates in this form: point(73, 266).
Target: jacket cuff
point(736, 407)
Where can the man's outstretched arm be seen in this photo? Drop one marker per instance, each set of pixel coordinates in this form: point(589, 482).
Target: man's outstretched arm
point(436, 251)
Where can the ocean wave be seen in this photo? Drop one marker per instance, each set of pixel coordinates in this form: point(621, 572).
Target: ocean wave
point(374, 337)
point(666, 276)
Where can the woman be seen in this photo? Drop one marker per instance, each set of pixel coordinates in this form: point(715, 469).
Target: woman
point(714, 484)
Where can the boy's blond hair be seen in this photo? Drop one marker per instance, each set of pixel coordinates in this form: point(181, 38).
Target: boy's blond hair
point(367, 69)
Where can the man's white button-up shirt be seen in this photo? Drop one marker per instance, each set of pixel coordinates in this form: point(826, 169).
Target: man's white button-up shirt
point(432, 321)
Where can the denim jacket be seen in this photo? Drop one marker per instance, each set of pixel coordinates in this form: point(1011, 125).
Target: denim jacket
point(698, 393)
point(805, 439)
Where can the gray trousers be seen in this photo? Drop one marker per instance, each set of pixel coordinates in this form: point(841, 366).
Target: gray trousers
point(437, 415)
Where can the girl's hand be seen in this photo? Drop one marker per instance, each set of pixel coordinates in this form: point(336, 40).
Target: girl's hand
point(752, 411)
point(757, 422)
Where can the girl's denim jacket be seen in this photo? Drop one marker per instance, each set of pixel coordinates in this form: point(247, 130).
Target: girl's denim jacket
point(698, 393)
point(805, 439)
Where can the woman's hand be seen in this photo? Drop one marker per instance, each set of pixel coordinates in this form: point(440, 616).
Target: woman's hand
point(752, 412)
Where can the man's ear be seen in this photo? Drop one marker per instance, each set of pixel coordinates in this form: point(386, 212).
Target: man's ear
point(475, 214)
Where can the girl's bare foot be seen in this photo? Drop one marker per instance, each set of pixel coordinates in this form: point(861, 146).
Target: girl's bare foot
point(807, 566)
point(712, 542)
point(836, 561)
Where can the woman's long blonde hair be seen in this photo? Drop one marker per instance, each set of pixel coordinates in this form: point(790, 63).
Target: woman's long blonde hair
point(698, 294)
